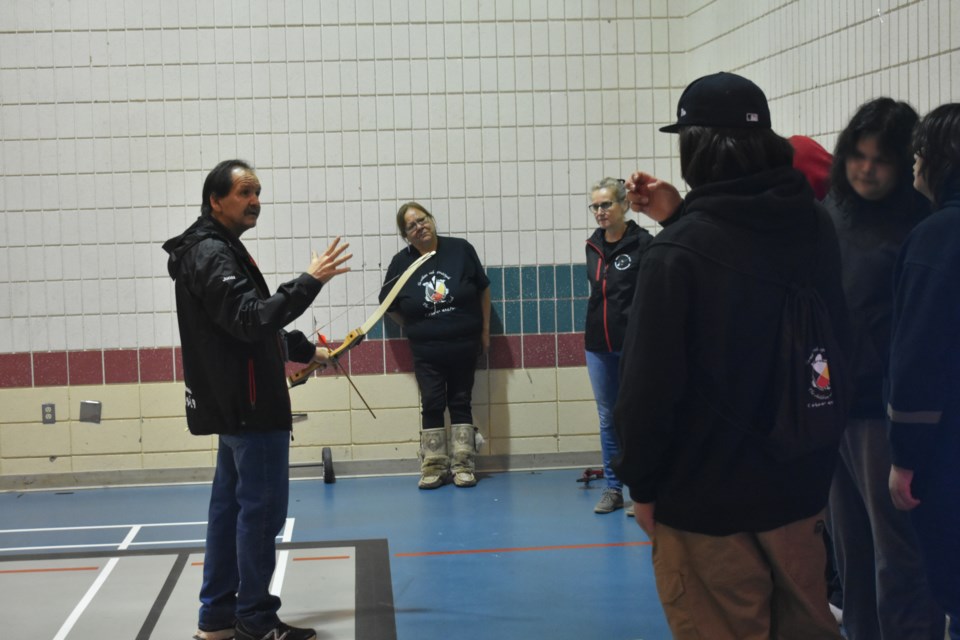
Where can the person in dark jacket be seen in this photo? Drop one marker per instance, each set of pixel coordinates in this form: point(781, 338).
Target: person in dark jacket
point(613, 255)
point(234, 348)
point(874, 206)
point(737, 532)
point(924, 403)
point(445, 312)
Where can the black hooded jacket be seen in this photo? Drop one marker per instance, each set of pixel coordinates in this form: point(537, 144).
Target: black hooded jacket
point(701, 347)
point(613, 277)
point(870, 235)
point(231, 332)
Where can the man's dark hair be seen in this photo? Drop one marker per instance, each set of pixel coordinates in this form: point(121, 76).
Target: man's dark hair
point(715, 154)
point(219, 182)
point(937, 142)
point(892, 124)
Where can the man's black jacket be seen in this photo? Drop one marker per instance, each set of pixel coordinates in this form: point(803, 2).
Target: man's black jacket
point(231, 332)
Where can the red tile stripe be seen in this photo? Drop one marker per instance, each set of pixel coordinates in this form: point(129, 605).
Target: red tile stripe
point(15, 370)
point(50, 369)
point(126, 366)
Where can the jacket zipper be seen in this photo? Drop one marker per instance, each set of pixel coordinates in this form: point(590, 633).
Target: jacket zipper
point(283, 358)
point(603, 293)
point(252, 383)
point(606, 322)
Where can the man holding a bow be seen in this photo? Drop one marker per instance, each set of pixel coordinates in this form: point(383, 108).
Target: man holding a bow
point(234, 349)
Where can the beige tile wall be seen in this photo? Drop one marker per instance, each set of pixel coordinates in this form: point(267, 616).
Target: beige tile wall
point(143, 427)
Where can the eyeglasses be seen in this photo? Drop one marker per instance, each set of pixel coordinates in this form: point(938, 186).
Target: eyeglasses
point(596, 206)
point(419, 222)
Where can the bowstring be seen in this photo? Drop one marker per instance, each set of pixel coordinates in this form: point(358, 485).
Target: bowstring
point(317, 330)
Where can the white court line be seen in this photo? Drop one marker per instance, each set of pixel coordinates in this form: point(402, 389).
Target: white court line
point(98, 545)
point(112, 545)
point(105, 526)
point(95, 587)
point(276, 585)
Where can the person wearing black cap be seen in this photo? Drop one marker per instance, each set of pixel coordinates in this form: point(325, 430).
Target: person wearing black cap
point(738, 548)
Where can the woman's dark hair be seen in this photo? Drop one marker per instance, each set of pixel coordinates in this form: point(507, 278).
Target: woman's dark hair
point(715, 154)
point(219, 182)
point(937, 142)
point(401, 223)
point(892, 124)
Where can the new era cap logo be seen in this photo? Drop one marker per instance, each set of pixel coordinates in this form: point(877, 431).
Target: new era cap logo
point(753, 117)
point(683, 112)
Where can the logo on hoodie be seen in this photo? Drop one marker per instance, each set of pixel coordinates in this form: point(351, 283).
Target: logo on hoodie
point(191, 402)
point(622, 262)
point(435, 292)
point(819, 375)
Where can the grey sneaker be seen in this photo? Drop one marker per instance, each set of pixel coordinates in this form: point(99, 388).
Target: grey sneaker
point(629, 511)
point(610, 501)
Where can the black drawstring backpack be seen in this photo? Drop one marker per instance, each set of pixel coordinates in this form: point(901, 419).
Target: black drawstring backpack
point(810, 412)
point(808, 402)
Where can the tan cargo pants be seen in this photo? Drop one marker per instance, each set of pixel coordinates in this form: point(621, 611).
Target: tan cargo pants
point(745, 586)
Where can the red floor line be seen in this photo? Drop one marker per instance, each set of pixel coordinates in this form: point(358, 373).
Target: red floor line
point(516, 549)
point(50, 570)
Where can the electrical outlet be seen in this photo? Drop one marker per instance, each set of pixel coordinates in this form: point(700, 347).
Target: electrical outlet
point(49, 412)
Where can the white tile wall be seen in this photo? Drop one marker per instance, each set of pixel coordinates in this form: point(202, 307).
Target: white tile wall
point(498, 114)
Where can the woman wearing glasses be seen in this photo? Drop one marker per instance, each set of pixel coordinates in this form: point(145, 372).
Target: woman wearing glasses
point(613, 252)
point(444, 310)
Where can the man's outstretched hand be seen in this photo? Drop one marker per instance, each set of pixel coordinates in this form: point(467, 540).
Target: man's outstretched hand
point(328, 264)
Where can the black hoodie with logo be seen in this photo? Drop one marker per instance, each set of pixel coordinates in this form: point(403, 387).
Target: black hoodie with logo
point(231, 332)
point(701, 346)
point(612, 272)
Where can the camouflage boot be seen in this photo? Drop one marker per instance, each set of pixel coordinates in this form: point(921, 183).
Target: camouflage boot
point(466, 442)
point(434, 463)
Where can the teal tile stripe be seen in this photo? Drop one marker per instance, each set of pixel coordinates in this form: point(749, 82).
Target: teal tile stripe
point(527, 299)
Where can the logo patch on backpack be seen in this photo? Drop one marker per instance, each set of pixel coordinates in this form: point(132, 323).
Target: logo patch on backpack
point(820, 388)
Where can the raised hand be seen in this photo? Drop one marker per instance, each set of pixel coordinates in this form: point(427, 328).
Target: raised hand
point(652, 196)
point(327, 264)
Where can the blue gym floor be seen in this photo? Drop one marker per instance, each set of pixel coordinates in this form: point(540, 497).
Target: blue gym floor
point(521, 555)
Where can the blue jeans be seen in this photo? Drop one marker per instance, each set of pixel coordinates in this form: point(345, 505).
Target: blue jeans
point(604, 371)
point(248, 508)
